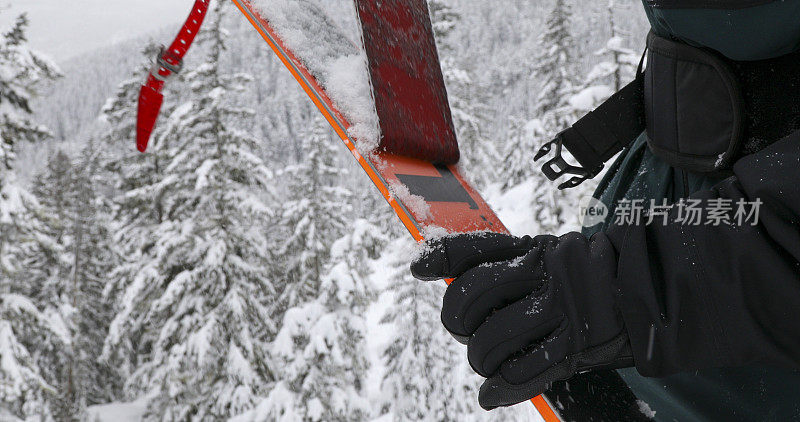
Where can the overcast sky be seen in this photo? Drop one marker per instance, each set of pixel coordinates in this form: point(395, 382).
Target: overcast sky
point(64, 28)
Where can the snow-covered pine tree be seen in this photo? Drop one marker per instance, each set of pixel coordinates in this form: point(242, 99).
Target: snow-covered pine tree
point(44, 254)
point(322, 342)
point(315, 214)
point(92, 259)
point(623, 61)
point(134, 181)
point(23, 72)
point(346, 295)
point(45, 259)
point(524, 138)
point(319, 339)
point(23, 326)
point(556, 73)
point(551, 207)
point(555, 65)
point(138, 209)
point(23, 390)
point(66, 259)
point(199, 309)
point(608, 76)
point(479, 154)
point(420, 381)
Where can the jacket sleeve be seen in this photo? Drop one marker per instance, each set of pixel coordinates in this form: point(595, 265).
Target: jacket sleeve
point(701, 296)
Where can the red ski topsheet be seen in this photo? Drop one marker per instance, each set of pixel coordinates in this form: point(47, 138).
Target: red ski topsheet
point(407, 82)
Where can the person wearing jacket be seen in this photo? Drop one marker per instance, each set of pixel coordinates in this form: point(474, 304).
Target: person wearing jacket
point(705, 311)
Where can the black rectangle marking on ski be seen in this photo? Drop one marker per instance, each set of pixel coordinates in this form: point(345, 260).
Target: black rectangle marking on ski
point(438, 189)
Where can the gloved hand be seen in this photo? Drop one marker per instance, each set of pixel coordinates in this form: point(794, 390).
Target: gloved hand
point(530, 310)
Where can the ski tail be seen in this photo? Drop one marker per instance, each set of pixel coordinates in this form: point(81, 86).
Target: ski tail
point(407, 81)
point(168, 63)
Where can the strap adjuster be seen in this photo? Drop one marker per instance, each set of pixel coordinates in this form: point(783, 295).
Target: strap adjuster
point(558, 166)
point(162, 63)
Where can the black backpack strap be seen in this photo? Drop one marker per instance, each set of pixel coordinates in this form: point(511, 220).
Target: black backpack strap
point(598, 136)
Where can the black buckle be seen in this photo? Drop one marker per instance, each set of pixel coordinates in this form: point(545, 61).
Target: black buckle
point(161, 62)
point(558, 166)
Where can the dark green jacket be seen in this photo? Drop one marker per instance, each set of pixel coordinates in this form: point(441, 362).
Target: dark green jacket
point(736, 394)
point(742, 30)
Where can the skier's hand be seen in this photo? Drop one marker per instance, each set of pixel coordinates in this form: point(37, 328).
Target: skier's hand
point(531, 310)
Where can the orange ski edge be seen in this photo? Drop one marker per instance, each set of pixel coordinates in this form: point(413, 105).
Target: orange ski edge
point(545, 409)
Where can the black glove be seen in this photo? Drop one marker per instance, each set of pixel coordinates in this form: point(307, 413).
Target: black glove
point(531, 310)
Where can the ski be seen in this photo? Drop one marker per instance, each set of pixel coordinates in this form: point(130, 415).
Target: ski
point(450, 202)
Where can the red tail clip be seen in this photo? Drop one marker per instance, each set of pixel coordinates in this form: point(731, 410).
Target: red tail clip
point(168, 63)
